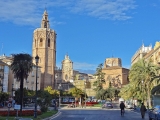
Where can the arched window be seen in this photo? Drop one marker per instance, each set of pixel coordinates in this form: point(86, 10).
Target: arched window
point(41, 42)
point(66, 77)
point(45, 24)
point(48, 42)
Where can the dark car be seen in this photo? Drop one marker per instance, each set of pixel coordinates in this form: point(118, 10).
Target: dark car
point(154, 114)
point(107, 105)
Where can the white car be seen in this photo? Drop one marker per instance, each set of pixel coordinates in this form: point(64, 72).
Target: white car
point(129, 106)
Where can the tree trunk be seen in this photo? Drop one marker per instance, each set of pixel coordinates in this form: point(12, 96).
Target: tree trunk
point(21, 94)
point(149, 98)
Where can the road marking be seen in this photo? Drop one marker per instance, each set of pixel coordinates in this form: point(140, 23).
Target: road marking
point(55, 116)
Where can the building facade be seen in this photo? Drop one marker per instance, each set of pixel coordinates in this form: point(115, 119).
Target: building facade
point(67, 76)
point(67, 69)
point(140, 53)
point(4, 71)
point(115, 74)
point(44, 45)
point(9, 81)
point(152, 54)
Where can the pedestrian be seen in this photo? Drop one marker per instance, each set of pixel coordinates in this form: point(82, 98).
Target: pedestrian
point(13, 102)
point(122, 106)
point(80, 104)
point(134, 105)
point(143, 110)
point(54, 104)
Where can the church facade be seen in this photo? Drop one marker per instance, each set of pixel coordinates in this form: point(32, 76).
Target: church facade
point(44, 45)
point(115, 75)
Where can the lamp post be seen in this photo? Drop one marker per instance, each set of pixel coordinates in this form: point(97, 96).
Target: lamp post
point(35, 111)
point(59, 88)
point(12, 89)
point(85, 92)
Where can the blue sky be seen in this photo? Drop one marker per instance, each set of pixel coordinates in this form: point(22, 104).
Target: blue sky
point(88, 30)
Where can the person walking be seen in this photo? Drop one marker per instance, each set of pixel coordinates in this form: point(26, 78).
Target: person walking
point(122, 106)
point(143, 110)
point(54, 103)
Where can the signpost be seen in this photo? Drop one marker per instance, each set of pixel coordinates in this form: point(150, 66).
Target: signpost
point(17, 107)
point(9, 105)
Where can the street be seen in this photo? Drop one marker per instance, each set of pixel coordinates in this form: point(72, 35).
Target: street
point(98, 114)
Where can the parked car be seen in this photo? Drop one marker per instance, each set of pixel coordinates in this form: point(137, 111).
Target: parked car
point(107, 105)
point(154, 114)
point(129, 106)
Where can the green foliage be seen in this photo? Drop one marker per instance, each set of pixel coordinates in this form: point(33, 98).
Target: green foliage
point(21, 67)
point(76, 92)
point(44, 108)
point(100, 92)
point(44, 99)
point(3, 96)
point(54, 93)
point(143, 75)
point(26, 93)
point(100, 78)
point(109, 93)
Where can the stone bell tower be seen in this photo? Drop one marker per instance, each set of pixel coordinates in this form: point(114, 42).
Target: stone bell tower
point(44, 45)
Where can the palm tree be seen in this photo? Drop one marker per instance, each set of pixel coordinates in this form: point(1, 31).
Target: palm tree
point(21, 67)
point(143, 73)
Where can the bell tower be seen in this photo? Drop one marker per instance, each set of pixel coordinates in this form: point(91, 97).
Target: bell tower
point(44, 45)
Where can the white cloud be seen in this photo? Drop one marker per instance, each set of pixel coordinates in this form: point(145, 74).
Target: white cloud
point(105, 9)
point(29, 12)
point(84, 66)
point(127, 66)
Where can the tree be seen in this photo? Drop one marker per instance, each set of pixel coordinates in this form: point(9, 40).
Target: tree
point(21, 67)
point(77, 93)
point(3, 97)
point(27, 93)
point(100, 78)
point(143, 74)
point(44, 100)
point(54, 93)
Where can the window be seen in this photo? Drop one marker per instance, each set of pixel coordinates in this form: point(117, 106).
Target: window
point(45, 25)
point(41, 42)
point(66, 77)
point(48, 42)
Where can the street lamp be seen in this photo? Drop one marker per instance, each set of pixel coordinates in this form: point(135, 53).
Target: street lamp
point(59, 88)
point(85, 92)
point(35, 112)
point(12, 89)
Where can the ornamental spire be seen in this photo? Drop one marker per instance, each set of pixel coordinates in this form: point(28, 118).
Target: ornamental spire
point(45, 21)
